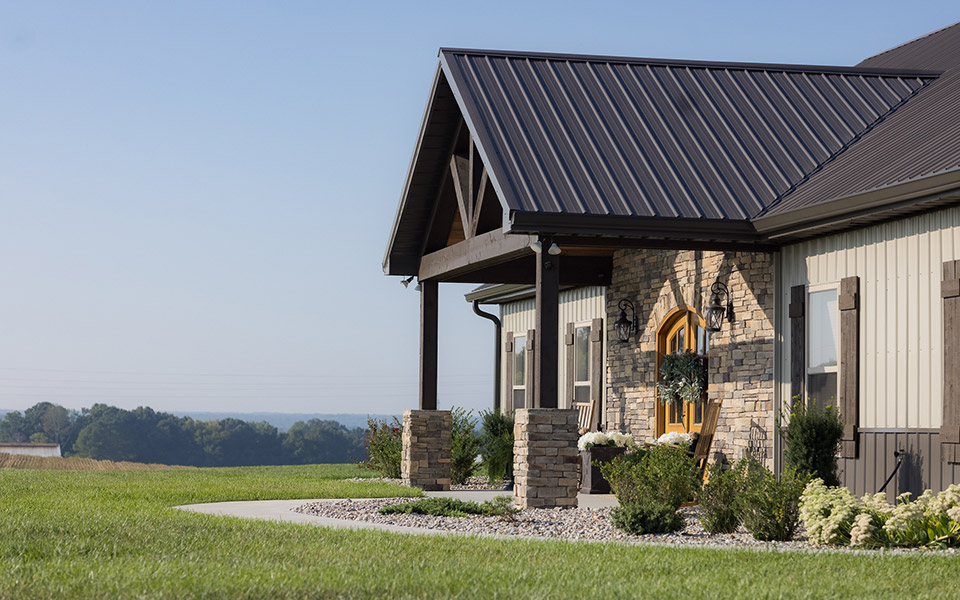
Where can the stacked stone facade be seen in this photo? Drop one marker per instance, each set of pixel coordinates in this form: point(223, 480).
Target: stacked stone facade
point(427, 440)
point(546, 461)
point(741, 355)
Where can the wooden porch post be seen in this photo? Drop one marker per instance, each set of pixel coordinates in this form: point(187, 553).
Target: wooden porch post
point(428, 345)
point(548, 317)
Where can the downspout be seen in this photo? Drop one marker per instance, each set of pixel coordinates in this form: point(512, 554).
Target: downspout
point(496, 353)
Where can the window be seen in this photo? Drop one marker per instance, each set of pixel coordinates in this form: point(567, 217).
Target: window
point(823, 342)
point(684, 330)
point(581, 364)
point(519, 372)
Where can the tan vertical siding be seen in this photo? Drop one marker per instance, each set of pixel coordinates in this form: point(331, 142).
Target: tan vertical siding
point(579, 305)
point(899, 265)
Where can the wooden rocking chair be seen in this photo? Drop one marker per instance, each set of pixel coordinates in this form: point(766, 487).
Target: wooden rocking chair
point(585, 420)
point(701, 452)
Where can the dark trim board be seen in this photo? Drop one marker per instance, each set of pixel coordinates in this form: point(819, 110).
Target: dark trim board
point(922, 467)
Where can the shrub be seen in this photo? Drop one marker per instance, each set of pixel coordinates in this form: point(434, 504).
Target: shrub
point(496, 444)
point(650, 517)
point(659, 475)
point(718, 500)
point(770, 508)
point(501, 506)
point(812, 438)
point(384, 444)
point(465, 446)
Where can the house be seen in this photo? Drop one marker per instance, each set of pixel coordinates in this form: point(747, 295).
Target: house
point(30, 449)
point(816, 209)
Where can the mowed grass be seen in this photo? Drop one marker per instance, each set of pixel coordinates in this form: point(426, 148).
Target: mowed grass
point(103, 534)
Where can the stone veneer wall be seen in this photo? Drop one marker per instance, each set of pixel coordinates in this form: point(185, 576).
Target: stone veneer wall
point(741, 361)
point(545, 457)
point(427, 440)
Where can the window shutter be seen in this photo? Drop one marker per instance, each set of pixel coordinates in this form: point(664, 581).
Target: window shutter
point(798, 341)
point(508, 372)
point(596, 371)
point(849, 367)
point(950, 423)
point(529, 368)
point(568, 339)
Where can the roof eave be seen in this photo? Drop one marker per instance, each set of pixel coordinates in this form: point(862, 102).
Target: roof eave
point(388, 265)
point(873, 203)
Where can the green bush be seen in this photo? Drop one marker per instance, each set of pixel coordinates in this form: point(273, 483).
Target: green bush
point(718, 500)
point(659, 475)
point(465, 446)
point(650, 517)
point(812, 440)
point(496, 444)
point(770, 508)
point(501, 506)
point(384, 444)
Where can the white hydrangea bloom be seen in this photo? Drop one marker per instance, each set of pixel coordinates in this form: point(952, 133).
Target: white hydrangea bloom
point(675, 438)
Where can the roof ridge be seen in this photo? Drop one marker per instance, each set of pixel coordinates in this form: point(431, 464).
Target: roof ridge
point(819, 167)
point(704, 64)
point(908, 42)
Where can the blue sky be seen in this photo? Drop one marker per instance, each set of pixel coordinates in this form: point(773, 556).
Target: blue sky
point(196, 196)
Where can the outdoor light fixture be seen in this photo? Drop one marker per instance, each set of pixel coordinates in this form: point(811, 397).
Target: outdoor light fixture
point(720, 306)
point(624, 326)
point(554, 249)
point(536, 246)
point(419, 287)
point(406, 282)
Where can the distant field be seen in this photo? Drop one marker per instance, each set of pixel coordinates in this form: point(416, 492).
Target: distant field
point(20, 461)
point(112, 534)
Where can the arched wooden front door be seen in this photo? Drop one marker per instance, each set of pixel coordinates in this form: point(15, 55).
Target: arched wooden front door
point(681, 330)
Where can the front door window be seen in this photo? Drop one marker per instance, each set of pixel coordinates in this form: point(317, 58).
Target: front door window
point(683, 331)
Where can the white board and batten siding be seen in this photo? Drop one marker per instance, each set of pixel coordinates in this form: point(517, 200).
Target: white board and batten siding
point(901, 317)
point(578, 305)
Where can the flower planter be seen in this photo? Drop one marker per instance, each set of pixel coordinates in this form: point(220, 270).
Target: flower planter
point(591, 481)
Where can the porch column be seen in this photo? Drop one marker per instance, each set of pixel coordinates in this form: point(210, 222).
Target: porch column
point(547, 354)
point(428, 345)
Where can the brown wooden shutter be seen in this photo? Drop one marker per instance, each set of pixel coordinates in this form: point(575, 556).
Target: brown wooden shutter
point(509, 372)
point(570, 349)
point(798, 341)
point(950, 423)
point(596, 371)
point(849, 367)
point(530, 370)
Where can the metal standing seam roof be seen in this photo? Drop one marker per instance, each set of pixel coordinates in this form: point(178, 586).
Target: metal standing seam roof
point(654, 138)
point(921, 140)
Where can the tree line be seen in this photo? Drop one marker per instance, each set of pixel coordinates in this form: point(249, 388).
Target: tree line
point(144, 435)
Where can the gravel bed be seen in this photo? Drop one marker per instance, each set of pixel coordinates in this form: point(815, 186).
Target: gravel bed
point(558, 523)
point(584, 524)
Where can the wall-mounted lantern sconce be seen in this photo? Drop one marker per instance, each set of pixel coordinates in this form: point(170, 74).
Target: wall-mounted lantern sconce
point(624, 326)
point(720, 306)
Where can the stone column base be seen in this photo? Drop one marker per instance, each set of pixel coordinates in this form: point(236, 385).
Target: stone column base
point(427, 439)
point(546, 461)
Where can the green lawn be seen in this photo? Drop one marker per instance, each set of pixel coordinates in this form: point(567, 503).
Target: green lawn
point(112, 534)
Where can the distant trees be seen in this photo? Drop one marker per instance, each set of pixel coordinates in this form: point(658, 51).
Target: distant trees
point(144, 435)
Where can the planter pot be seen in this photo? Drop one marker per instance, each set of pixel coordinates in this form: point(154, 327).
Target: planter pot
point(592, 482)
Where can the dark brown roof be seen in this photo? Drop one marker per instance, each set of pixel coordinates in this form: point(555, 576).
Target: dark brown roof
point(916, 144)
point(651, 138)
point(633, 147)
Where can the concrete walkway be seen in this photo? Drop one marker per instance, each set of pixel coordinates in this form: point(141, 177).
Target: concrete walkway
point(282, 510)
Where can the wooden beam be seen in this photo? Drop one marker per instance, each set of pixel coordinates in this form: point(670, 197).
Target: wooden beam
point(482, 250)
point(460, 172)
point(479, 205)
point(577, 270)
point(548, 316)
point(429, 305)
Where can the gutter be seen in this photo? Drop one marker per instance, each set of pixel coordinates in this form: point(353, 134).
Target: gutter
point(496, 353)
